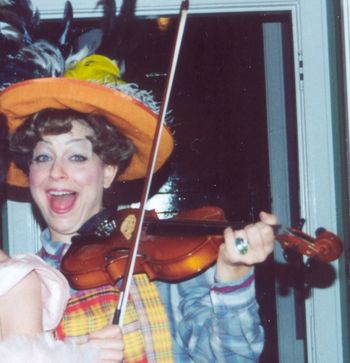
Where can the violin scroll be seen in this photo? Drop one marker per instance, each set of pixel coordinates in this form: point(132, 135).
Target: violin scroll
point(329, 246)
point(326, 247)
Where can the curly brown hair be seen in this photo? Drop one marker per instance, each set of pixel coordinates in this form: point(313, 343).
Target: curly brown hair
point(112, 147)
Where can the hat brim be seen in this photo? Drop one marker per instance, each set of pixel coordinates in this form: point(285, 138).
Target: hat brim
point(130, 116)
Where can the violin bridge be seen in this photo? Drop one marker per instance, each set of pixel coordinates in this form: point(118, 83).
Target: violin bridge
point(128, 225)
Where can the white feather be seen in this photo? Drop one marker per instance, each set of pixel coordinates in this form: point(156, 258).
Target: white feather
point(9, 31)
point(76, 57)
point(44, 55)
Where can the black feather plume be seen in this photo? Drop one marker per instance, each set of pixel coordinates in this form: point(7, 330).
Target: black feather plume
point(18, 23)
point(116, 32)
point(65, 39)
point(109, 14)
point(24, 55)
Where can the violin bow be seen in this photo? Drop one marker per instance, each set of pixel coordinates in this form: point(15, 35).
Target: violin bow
point(130, 265)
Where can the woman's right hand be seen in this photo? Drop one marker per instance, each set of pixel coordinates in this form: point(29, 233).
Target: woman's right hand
point(110, 342)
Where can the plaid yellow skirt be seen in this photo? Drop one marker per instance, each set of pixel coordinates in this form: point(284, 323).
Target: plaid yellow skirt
point(146, 329)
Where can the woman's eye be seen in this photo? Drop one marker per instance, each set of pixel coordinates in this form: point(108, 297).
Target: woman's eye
point(41, 158)
point(78, 157)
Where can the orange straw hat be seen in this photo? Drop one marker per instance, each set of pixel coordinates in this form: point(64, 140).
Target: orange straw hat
point(36, 75)
point(130, 116)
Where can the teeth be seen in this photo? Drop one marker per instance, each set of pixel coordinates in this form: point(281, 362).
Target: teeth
point(60, 193)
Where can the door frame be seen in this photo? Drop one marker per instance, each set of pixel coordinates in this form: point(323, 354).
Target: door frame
point(318, 174)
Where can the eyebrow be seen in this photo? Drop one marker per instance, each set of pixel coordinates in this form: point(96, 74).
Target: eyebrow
point(68, 142)
point(77, 140)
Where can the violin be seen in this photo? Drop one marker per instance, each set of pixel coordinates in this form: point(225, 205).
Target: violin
point(173, 249)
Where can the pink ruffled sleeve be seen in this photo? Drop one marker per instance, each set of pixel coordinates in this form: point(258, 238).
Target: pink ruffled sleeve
point(54, 286)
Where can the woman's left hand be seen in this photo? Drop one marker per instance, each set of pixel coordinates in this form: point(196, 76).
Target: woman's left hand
point(231, 264)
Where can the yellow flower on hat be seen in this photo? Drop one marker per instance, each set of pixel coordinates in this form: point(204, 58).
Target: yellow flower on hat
point(96, 68)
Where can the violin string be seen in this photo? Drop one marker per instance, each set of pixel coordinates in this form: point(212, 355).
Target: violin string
point(202, 225)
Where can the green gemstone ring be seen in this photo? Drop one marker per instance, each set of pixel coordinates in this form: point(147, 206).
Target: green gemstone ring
point(241, 245)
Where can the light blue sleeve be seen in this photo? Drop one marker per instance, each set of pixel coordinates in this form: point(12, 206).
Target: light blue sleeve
point(213, 322)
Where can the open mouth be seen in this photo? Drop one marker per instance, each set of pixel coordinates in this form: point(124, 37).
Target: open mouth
point(61, 201)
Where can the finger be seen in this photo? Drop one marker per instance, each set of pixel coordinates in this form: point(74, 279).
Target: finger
point(111, 356)
point(261, 239)
point(265, 231)
point(108, 343)
point(268, 218)
point(109, 331)
point(254, 235)
point(257, 243)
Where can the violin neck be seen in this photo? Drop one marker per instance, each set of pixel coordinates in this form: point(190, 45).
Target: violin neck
point(187, 227)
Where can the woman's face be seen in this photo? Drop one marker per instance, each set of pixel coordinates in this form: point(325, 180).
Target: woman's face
point(67, 180)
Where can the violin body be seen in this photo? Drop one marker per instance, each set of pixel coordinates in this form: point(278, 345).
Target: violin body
point(93, 261)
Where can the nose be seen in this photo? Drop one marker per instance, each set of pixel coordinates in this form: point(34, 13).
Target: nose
point(57, 170)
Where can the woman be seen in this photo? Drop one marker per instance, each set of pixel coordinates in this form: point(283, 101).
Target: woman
point(64, 132)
